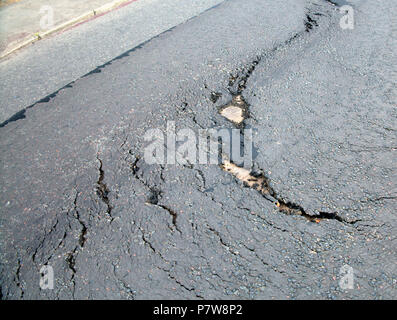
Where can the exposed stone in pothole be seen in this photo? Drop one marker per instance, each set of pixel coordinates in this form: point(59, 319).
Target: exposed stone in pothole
point(235, 111)
point(259, 183)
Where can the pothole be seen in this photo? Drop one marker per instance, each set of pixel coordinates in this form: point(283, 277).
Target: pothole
point(260, 183)
point(235, 111)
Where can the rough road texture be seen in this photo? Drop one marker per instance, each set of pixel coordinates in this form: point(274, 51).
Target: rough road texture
point(77, 194)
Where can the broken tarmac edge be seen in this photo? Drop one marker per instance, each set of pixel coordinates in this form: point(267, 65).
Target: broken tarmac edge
point(34, 37)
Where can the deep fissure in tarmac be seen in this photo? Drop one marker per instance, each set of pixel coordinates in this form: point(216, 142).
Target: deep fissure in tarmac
point(102, 189)
point(236, 111)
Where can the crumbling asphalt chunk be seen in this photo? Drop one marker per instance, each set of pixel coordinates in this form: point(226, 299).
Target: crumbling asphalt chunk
point(153, 199)
point(154, 193)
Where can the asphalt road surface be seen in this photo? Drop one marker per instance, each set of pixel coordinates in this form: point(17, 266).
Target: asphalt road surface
point(55, 61)
point(78, 195)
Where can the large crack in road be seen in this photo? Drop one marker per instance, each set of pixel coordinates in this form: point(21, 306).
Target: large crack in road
point(114, 226)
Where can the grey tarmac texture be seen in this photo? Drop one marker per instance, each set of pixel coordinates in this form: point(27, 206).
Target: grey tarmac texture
point(76, 193)
point(65, 57)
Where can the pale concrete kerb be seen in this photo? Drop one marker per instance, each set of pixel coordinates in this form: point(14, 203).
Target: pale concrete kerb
point(35, 36)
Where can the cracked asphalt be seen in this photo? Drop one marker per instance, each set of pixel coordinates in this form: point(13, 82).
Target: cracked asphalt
point(78, 195)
